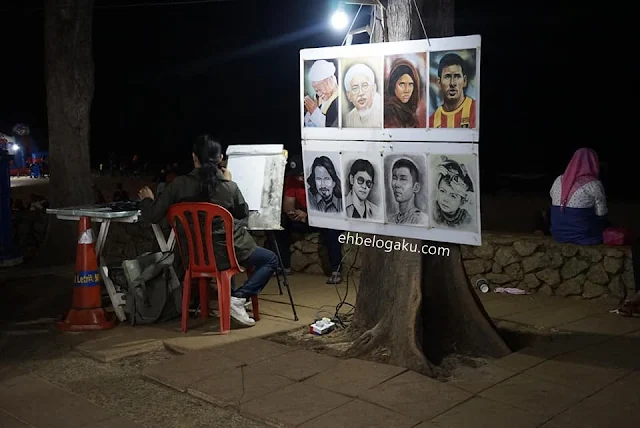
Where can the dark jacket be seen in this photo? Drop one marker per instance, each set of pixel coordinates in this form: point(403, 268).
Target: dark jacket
point(186, 188)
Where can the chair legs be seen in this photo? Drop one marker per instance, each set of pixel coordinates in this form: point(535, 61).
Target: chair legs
point(224, 301)
point(186, 299)
point(204, 298)
point(255, 307)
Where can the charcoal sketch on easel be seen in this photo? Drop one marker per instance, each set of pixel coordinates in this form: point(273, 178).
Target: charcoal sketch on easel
point(454, 181)
point(406, 189)
point(363, 186)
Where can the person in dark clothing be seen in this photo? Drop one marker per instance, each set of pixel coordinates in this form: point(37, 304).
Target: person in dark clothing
point(295, 219)
point(210, 183)
point(120, 194)
point(97, 195)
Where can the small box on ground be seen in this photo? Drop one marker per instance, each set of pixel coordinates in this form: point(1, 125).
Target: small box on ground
point(322, 326)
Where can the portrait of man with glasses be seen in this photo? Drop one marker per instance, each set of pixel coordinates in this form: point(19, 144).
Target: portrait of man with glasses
point(362, 188)
point(361, 91)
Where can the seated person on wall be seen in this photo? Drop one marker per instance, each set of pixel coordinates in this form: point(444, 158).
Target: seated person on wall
point(210, 183)
point(578, 202)
point(294, 219)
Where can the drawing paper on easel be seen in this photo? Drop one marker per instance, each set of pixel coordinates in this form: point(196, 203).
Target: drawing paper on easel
point(258, 170)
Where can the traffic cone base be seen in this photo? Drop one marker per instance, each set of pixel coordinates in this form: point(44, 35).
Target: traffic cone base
point(86, 311)
point(86, 320)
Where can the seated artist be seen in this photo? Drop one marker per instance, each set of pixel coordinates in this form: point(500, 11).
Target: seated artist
point(294, 219)
point(210, 183)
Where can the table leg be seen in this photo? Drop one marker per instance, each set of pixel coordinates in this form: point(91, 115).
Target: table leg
point(117, 299)
point(102, 236)
point(272, 235)
point(171, 241)
point(165, 245)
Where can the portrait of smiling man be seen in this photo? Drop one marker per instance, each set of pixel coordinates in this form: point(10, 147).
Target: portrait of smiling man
point(362, 185)
point(362, 92)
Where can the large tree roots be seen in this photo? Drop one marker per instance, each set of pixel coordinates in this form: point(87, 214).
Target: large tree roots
point(419, 309)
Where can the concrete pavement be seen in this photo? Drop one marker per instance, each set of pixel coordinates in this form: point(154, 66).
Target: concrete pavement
point(582, 370)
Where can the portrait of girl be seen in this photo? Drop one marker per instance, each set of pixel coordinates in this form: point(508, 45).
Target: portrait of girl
point(405, 91)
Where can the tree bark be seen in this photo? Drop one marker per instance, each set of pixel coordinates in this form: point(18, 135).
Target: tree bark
point(419, 307)
point(70, 85)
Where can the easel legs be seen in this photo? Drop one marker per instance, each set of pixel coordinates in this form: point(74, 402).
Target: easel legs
point(272, 237)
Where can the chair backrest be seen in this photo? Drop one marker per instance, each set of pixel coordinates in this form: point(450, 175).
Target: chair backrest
point(201, 252)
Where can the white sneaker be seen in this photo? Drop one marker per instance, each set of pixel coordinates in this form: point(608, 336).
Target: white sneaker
point(239, 313)
point(247, 306)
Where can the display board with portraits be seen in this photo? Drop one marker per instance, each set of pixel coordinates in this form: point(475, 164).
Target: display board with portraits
point(419, 90)
point(403, 189)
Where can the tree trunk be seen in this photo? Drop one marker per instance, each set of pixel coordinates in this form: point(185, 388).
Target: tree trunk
point(419, 307)
point(70, 84)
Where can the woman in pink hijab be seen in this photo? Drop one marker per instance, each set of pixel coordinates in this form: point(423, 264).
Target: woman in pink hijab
point(578, 201)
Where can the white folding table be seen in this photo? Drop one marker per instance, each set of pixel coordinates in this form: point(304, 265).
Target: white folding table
point(105, 214)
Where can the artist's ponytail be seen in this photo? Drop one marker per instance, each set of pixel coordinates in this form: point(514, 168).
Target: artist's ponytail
point(208, 152)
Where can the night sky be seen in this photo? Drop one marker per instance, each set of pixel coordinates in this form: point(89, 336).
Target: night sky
point(167, 73)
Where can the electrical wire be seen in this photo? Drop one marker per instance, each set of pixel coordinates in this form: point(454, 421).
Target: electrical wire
point(343, 299)
point(424, 30)
point(351, 26)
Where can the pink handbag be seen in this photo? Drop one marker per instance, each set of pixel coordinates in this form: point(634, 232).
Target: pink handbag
point(617, 236)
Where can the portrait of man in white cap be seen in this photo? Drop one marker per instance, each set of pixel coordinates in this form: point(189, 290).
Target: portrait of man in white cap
point(362, 92)
point(321, 109)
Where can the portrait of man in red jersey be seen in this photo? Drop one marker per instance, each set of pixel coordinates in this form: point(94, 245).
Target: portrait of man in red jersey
point(453, 99)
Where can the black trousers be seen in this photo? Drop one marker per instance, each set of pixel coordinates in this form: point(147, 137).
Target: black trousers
point(329, 238)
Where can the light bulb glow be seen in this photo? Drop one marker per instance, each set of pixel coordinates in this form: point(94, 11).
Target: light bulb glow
point(340, 20)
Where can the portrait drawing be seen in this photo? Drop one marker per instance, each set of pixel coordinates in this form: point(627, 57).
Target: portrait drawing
point(321, 94)
point(405, 91)
point(453, 91)
point(406, 189)
point(363, 186)
point(324, 185)
point(362, 102)
point(454, 194)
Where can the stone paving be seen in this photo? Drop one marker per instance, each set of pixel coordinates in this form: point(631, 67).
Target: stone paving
point(584, 371)
point(547, 386)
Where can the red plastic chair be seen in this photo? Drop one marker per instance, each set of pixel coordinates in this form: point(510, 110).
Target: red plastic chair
point(202, 263)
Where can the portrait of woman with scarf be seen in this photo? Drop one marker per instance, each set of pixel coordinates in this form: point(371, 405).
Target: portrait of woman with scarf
point(453, 187)
point(404, 105)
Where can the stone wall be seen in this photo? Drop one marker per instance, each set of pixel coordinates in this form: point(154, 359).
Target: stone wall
point(528, 262)
point(539, 264)
point(532, 263)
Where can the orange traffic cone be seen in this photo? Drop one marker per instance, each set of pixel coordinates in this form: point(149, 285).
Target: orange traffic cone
point(86, 311)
